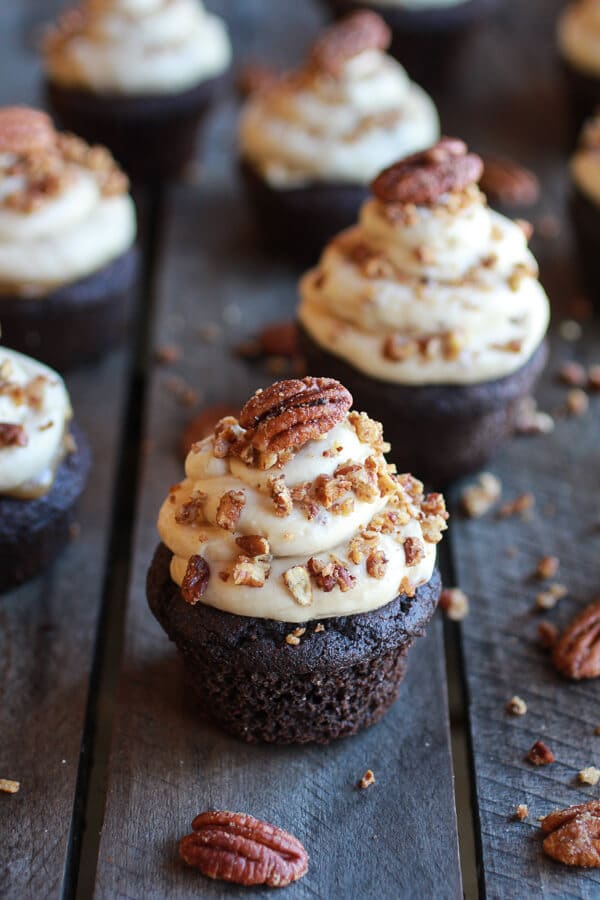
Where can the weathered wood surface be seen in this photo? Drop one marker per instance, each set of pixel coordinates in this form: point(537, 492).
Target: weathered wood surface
point(48, 627)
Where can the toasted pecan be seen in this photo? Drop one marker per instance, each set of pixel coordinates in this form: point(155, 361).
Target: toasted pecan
point(573, 835)
point(423, 177)
point(289, 413)
point(195, 579)
point(12, 435)
point(23, 130)
point(360, 31)
point(577, 651)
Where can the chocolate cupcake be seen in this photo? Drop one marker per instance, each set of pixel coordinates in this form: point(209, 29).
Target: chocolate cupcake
point(44, 463)
point(311, 142)
point(431, 312)
point(578, 36)
point(426, 34)
point(138, 77)
point(296, 568)
point(585, 205)
point(67, 232)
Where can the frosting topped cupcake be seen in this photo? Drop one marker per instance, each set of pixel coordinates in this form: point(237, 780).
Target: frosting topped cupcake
point(585, 162)
point(137, 46)
point(342, 117)
point(34, 414)
point(64, 207)
point(292, 513)
point(431, 286)
point(579, 35)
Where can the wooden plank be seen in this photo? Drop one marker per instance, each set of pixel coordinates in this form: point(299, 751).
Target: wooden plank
point(394, 840)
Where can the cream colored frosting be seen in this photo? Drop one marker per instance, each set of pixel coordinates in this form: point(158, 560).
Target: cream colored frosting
point(70, 235)
point(293, 538)
point(315, 127)
point(34, 397)
point(585, 162)
point(458, 278)
point(579, 35)
point(140, 47)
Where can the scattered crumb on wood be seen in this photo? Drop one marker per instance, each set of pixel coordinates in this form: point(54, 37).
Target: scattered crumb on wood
point(367, 780)
point(9, 787)
point(516, 706)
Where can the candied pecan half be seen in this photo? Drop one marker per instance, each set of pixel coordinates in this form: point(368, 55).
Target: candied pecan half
point(577, 652)
point(423, 177)
point(360, 31)
point(289, 413)
point(195, 579)
point(237, 847)
point(23, 130)
point(573, 835)
point(12, 435)
point(504, 181)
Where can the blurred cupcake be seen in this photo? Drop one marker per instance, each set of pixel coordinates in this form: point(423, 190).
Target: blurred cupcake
point(426, 34)
point(311, 142)
point(67, 232)
point(44, 464)
point(585, 204)
point(579, 47)
point(431, 312)
point(296, 567)
point(138, 76)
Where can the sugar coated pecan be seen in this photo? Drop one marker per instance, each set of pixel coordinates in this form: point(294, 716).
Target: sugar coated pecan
point(573, 835)
point(23, 130)
point(577, 652)
point(423, 177)
point(236, 847)
point(12, 435)
point(360, 31)
point(195, 579)
point(289, 413)
point(504, 181)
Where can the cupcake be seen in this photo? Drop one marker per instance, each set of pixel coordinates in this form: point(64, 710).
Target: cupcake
point(138, 76)
point(585, 204)
point(426, 34)
point(44, 464)
point(311, 142)
point(578, 36)
point(296, 567)
point(430, 311)
point(67, 232)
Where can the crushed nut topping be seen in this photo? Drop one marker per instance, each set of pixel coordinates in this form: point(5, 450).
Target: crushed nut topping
point(589, 775)
point(516, 706)
point(293, 639)
point(7, 786)
point(577, 402)
point(367, 780)
point(477, 499)
point(414, 551)
point(521, 812)
point(253, 544)
point(297, 581)
point(368, 431)
point(376, 564)
point(521, 505)
point(540, 754)
point(251, 571)
point(192, 511)
point(281, 496)
point(12, 435)
point(548, 599)
point(330, 574)
point(547, 567)
point(230, 509)
point(454, 603)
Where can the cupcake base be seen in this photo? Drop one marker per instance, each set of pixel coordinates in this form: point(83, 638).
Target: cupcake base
point(255, 686)
point(299, 221)
point(585, 215)
point(440, 431)
point(583, 92)
point(425, 41)
point(33, 532)
point(153, 137)
point(76, 323)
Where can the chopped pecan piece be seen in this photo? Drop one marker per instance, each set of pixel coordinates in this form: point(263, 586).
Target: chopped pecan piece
point(368, 431)
point(253, 544)
point(192, 511)
point(235, 847)
point(360, 31)
point(540, 754)
point(414, 551)
point(331, 574)
point(454, 603)
point(12, 435)
point(293, 639)
point(573, 835)
point(516, 706)
point(195, 580)
point(376, 564)
point(367, 780)
point(398, 347)
point(225, 436)
point(203, 425)
point(547, 567)
point(577, 652)
point(281, 496)
point(478, 499)
point(577, 402)
point(7, 786)
point(251, 571)
point(521, 505)
point(230, 509)
point(297, 581)
point(589, 775)
point(521, 812)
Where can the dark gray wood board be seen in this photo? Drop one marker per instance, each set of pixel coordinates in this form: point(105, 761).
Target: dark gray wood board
point(48, 627)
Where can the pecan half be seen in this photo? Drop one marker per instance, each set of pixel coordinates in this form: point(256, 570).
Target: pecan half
point(237, 847)
point(24, 130)
point(577, 652)
point(423, 177)
point(573, 835)
point(12, 435)
point(504, 181)
point(195, 579)
point(289, 413)
point(360, 31)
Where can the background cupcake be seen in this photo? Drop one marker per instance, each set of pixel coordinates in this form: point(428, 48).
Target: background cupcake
point(310, 143)
point(296, 567)
point(579, 48)
point(67, 230)
point(431, 312)
point(426, 33)
point(585, 204)
point(44, 463)
point(138, 77)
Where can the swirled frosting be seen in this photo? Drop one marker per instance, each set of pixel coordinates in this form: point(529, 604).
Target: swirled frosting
point(585, 162)
point(137, 46)
point(34, 415)
point(442, 294)
point(313, 126)
point(329, 530)
point(579, 36)
point(64, 214)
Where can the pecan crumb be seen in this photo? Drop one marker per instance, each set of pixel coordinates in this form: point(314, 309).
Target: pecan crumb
point(367, 780)
point(297, 581)
point(12, 435)
point(477, 499)
point(540, 754)
point(547, 634)
point(293, 639)
point(572, 374)
point(589, 775)
point(530, 420)
point(521, 812)
point(577, 402)
point(548, 599)
point(319, 627)
point(251, 571)
point(9, 787)
point(516, 706)
point(168, 354)
point(547, 567)
point(521, 505)
point(455, 603)
point(253, 544)
point(229, 509)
